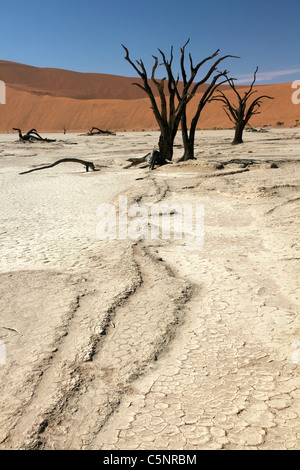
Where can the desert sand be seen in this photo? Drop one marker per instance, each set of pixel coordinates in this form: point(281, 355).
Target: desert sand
point(53, 99)
point(144, 343)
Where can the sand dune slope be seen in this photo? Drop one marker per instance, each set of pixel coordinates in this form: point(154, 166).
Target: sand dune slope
point(51, 99)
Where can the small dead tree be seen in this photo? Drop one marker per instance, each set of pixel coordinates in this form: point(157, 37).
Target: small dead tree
point(238, 113)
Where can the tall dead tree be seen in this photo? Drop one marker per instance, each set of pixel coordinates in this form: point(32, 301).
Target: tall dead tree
point(171, 104)
point(167, 117)
point(239, 113)
point(188, 136)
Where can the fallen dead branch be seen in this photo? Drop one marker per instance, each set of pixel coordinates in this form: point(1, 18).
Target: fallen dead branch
point(137, 160)
point(254, 129)
point(226, 173)
point(11, 329)
point(97, 131)
point(151, 159)
point(88, 165)
point(32, 136)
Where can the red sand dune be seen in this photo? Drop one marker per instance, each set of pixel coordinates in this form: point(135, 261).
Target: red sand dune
point(51, 99)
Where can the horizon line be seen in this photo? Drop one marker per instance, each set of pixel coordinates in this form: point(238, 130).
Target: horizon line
point(243, 79)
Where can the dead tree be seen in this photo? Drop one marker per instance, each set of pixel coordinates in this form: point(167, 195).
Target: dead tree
point(188, 136)
point(168, 115)
point(25, 137)
point(238, 113)
point(168, 120)
point(97, 131)
point(31, 136)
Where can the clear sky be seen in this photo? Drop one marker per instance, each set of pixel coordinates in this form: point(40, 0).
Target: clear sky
point(86, 36)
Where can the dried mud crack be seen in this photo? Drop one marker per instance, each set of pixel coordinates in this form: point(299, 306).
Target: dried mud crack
point(75, 396)
point(138, 344)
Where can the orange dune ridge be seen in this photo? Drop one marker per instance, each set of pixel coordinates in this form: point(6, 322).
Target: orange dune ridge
point(52, 99)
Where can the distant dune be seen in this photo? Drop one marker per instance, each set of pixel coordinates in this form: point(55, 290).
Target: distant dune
point(51, 99)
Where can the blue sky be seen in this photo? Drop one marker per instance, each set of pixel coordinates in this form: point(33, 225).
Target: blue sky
point(87, 36)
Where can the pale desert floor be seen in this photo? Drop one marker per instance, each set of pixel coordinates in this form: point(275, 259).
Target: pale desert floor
point(146, 344)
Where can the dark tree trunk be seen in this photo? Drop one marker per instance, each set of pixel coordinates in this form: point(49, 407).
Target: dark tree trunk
point(238, 134)
point(188, 144)
point(188, 151)
point(165, 144)
point(188, 139)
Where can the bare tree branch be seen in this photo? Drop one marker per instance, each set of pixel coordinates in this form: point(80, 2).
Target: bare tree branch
point(171, 113)
point(240, 114)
